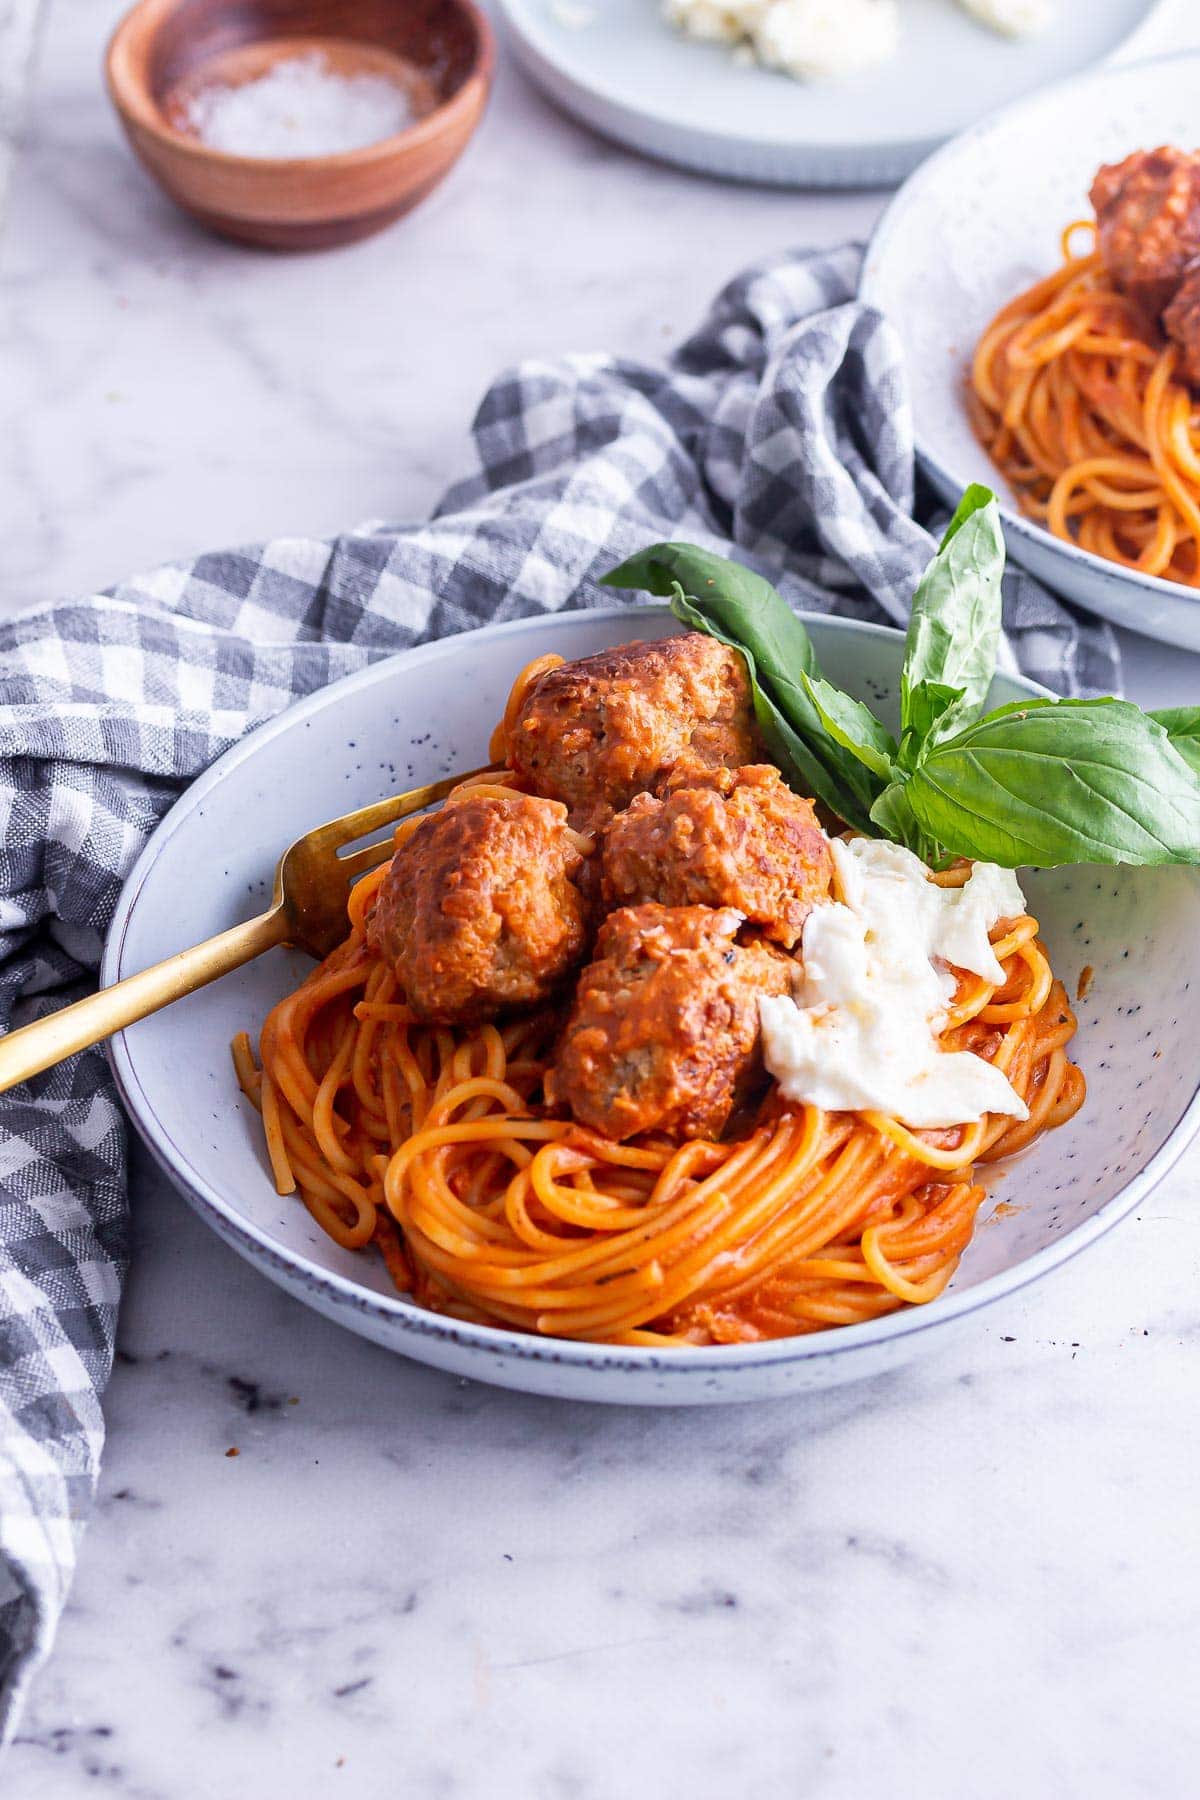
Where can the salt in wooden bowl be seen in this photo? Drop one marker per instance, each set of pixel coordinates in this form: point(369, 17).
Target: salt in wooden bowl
point(164, 52)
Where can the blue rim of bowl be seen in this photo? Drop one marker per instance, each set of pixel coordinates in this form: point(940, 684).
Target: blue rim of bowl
point(524, 26)
point(292, 1268)
point(890, 225)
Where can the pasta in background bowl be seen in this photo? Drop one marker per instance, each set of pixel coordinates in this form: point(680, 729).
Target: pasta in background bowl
point(427, 713)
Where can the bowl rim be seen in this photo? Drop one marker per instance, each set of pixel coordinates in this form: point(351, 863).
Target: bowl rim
point(291, 1267)
point(889, 231)
point(137, 108)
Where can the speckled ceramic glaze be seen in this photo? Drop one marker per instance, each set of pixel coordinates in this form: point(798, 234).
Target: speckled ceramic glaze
point(427, 713)
point(986, 215)
point(617, 66)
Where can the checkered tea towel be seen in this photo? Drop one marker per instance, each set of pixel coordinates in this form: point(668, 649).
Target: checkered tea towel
point(781, 430)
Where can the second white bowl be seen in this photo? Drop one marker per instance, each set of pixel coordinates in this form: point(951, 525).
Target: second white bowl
point(974, 226)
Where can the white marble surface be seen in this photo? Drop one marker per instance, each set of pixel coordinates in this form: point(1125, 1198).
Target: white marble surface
point(975, 1578)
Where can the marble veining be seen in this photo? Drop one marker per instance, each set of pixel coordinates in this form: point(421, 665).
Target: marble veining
point(978, 1564)
point(975, 1577)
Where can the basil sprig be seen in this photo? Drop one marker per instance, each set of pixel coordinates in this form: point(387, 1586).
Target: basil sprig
point(953, 629)
point(1038, 783)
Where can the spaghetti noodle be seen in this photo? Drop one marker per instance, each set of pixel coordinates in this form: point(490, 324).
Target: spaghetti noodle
point(432, 1143)
point(1077, 401)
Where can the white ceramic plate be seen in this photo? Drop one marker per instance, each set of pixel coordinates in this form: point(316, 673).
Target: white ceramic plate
point(983, 217)
point(632, 77)
point(424, 714)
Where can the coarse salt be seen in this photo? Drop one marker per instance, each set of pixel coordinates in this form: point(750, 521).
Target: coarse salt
point(299, 107)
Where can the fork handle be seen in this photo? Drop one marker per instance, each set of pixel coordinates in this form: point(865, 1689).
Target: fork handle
point(35, 1047)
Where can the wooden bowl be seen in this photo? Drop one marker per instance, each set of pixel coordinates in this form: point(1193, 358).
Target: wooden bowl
point(440, 51)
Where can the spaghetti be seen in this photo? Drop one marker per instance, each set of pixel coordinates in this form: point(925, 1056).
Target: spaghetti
point(1078, 402)
point(432, 1144)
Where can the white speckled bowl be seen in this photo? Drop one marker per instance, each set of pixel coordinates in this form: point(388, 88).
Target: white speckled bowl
point(977, 224)
point(620, 68)
point(429, 712)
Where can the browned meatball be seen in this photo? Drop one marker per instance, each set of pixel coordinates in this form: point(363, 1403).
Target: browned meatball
point(1148, 212)
point(596, 732)
point(479, 910)
point(663, 1034)
point(743, 839)
point(1182, 322)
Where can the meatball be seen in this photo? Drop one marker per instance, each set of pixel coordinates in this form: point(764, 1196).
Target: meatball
point(742, 839)
point(1148, 213)
point(479, 910)
point(663, 1034)
point(596, 732)
point(1182, 322)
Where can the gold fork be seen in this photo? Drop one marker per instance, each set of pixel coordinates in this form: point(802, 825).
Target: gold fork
point(308, 910)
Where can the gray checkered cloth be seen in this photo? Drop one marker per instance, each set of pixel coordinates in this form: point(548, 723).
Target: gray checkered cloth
point(781, 428)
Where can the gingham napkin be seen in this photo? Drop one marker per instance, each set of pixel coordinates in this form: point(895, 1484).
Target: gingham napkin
point(782, 427)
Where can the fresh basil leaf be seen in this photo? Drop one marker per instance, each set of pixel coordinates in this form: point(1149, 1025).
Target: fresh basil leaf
point(729, 595)
point(954, 629)
point(1182, 726)
point(804, 772)
point(929, 702)
point(840, 785)
point(1047, 782)
point(934, 711)
point(854, 727)
point(974, 498)
point(894, 816)
point(1038, 782)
